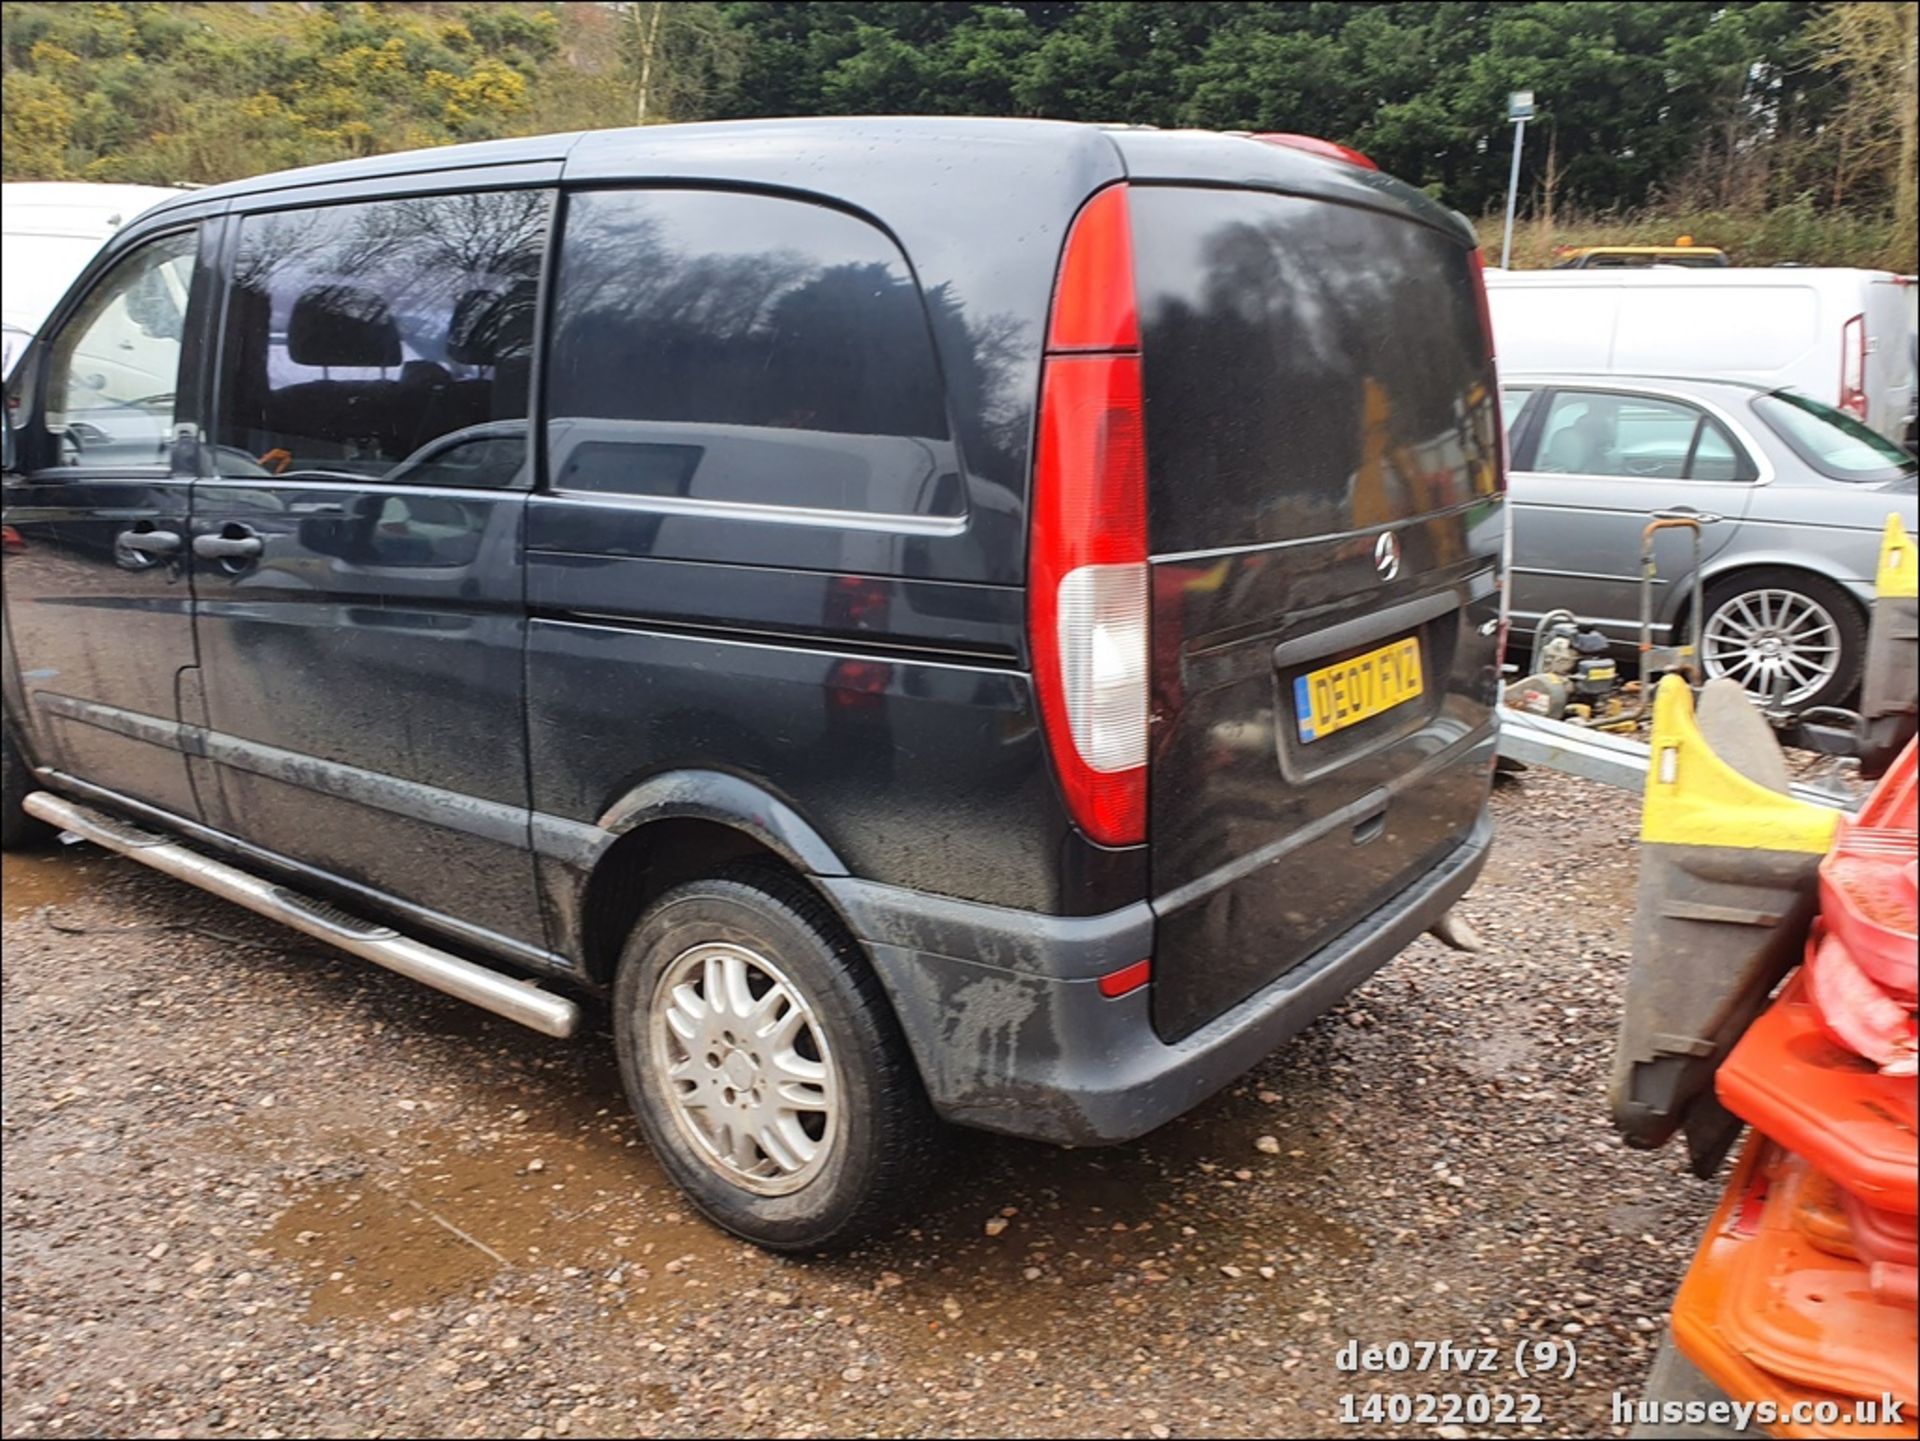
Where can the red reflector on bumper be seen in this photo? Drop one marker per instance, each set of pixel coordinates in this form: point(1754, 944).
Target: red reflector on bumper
point(1127, 978)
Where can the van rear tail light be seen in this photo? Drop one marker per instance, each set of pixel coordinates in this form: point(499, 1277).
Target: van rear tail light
point(1853, 367)
point(1087, 609)
point(1087, 613)
point(1102, 622)
point(1093, 306)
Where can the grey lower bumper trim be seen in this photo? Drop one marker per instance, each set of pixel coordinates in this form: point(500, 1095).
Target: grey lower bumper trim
point(490, 990)
point(1060, 948)
point(1031, 1048)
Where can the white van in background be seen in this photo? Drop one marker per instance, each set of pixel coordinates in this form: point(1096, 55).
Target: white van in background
point(49, 230)
point(1840, 336)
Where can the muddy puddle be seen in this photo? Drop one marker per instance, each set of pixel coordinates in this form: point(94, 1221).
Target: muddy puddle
point(525, 1195)
point(519, 1193)
point(30, 879)
point(524, 1180)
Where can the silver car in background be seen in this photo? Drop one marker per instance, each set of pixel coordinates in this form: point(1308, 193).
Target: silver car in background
point(1802, 490)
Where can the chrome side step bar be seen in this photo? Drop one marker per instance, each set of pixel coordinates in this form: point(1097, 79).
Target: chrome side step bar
point(520, 1001)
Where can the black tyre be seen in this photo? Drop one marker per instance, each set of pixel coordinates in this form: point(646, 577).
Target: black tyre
point(18, 830)
point(767, 1070)
point(1763, 625)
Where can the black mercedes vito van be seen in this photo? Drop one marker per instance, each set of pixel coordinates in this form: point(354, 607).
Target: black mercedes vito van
point(992, 621)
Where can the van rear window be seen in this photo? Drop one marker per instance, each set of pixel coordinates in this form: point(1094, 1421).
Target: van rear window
point(742, 349)
point(1311, 368)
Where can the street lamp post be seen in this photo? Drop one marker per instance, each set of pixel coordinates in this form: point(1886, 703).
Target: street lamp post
point(1519, 111)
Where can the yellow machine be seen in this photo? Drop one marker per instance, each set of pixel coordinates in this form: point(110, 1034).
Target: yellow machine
point(1623, 257)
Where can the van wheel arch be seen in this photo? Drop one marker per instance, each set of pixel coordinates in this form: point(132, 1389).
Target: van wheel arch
point(649, 860)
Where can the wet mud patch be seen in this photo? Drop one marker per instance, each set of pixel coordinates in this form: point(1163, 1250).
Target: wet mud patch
point(65, 876)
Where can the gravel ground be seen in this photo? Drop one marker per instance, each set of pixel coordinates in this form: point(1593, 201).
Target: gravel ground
point(255, 1188)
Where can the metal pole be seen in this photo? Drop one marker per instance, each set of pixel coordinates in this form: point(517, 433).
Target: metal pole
point(1513, 190)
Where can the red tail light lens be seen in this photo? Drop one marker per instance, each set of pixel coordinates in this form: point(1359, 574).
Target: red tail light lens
point(1087, 581)
point(1087, 608)
point(1853, 367)
point(1093, 305)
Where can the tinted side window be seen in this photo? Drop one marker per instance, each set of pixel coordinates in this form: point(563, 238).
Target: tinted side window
point(390, 340)
point(738, 348)
point(114, 368)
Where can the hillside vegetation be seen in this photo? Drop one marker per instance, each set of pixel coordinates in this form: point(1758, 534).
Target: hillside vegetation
point(1783, 129)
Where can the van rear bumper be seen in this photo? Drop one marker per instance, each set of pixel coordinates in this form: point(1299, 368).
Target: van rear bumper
point(1004, 1015)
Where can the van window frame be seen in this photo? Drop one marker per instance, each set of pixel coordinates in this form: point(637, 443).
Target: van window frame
point(886, 522)
point(31, 378)
point(423, 185)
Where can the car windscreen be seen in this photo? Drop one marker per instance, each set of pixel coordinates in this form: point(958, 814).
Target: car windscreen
point(1831, 441)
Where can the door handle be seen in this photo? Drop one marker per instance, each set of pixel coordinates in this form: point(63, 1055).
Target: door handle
point(228, 547)
point(150, 542)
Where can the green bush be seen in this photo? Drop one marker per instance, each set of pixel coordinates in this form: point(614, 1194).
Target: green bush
point(1796, 232)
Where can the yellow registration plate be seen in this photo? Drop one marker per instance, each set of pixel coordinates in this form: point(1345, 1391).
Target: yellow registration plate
point(1337, 696)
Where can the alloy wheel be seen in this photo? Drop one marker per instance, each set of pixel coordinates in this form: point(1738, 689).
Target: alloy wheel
point(744, 1065)
point(1761, 638)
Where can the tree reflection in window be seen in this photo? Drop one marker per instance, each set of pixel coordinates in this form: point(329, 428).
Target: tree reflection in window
point(382, 340)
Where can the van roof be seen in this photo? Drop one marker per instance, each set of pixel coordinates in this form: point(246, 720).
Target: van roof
point(63, 207)
point(854, 154)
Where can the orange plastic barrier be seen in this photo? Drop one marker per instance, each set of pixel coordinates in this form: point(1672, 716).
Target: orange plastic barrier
point(1891, 806)
point(1823, 1102)
point(1864, 976)
point(1812, 1317)
point(1820, 1214)
point(1745, 1272)
point(1882, 1235)
point(1869, 895)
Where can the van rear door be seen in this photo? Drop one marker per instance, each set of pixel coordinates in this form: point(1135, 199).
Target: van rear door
point(1325, 523)
point(1891, 353)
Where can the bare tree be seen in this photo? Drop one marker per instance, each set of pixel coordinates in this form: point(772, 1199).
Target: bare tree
point(679, 51)
point(1873, 48)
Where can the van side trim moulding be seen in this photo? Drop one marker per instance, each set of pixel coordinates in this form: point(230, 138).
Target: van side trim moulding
point(707, 795)
point(892, 524)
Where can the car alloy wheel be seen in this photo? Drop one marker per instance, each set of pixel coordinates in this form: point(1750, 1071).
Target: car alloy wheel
point(743, 1062)
point(1761, 638)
